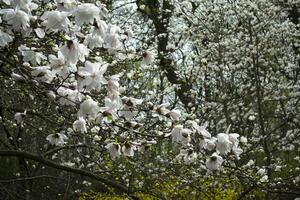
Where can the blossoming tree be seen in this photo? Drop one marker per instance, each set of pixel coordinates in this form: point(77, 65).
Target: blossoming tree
point(121, 97)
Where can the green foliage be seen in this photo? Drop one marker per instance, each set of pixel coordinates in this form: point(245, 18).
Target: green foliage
point(206, 190)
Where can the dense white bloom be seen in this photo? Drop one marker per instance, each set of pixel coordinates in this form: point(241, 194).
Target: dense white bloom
point(128, 149)
point(88, 109)
point(86, 13)
point(5, 38)
point(73, 51)
point(80, 125)
point(56, 20)
point(114, 150)
point(92, 74)
point(17, 18)
point(214, 162)
point(223, 143)
point(57, 139)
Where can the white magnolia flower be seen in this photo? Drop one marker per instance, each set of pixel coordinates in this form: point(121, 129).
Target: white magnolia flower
point(57, 139)
point(73, 51)
point(147, 58)
point(129, 107)
point(234, 139)
point(26, 5)
point(261, 172)
point(128, 149)
point(243, 140)
point(56, 20)
point(5, 38)
point(264, 179)
point(223, 143)
point(162, 110)
point(65, 5)
point(237, 151)
point(251, 118)
point(201, 130)
point(19, 116)
point(100, 28)
point(69, 96)
point(43, 73)
point(190, 157)
point(18, 19)
point(129, 34)
point(174, 114)
point(88, 109)
point(17, 77)
point(93, 41)
point(112, 42)
point(214, 162)
point(97, 138)
point(114, 150)
point(109, 111)
point(92, 74)
point(80, 125)
point(60, 66)
point(186, 136)
point(30, 55)
point(86, 13)
point(210, 143)
point(176, 133)
point(113, 87)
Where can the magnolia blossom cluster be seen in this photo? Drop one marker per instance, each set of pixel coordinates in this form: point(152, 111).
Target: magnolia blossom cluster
point(220, 145)
point(77, 77)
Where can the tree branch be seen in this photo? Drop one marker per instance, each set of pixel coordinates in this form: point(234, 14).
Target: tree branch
point(37, 158)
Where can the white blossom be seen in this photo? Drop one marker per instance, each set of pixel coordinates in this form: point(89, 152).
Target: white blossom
point(57, 139)
point(223, 143)
point(74, 51)
point(18, 19)
point(86, 13)
point(92, 76)
point(214, 162)
point(56, 20)
point(114, 150)
point(89, 109)
point(5, 38)
point(80, 125)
